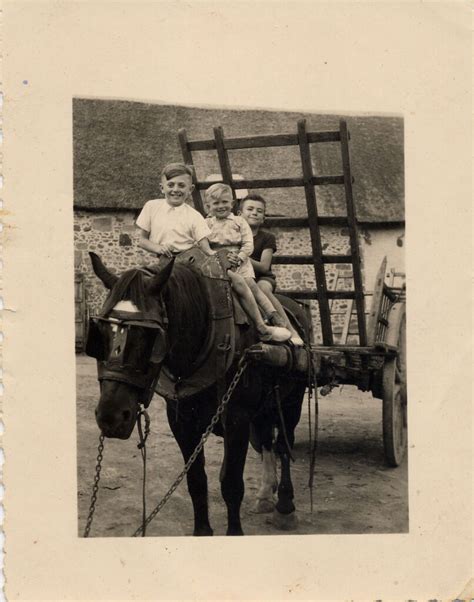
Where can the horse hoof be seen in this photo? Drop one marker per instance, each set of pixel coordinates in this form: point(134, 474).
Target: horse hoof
point(203, 532)
point(284, 522)
point(264, 506)
point(235, 532)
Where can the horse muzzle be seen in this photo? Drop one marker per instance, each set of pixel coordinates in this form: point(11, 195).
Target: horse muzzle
point(117, 409)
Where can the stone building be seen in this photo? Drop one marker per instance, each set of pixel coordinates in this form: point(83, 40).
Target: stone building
point(120, 148)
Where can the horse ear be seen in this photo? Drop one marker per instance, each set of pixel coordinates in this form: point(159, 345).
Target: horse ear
point(161, 278)
point(102, 272)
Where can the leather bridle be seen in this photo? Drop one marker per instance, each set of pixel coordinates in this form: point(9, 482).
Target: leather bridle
point(115, 361)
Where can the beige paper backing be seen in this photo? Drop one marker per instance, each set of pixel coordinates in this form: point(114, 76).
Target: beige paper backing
point(408, 58)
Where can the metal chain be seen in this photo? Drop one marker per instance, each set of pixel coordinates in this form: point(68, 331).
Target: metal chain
point(95, 487)
point(225, 400)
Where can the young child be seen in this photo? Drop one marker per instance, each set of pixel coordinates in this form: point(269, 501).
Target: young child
point(234, 234)
point(252, 209)
point(168, 226)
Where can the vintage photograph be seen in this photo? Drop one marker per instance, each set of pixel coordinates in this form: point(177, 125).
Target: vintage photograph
point(240, 322)
point(236, 300)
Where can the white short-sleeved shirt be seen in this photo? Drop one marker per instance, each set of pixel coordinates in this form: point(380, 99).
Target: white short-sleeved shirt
point(180, 227)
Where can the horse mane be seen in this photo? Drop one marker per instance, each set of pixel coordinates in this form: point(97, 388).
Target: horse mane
point(188, 316)
point(186, 305)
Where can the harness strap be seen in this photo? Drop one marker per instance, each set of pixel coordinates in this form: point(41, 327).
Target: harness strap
point(276, 390)
point(143, 436)
point(223, 349)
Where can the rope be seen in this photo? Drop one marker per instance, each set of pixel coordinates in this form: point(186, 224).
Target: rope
point(143, 436)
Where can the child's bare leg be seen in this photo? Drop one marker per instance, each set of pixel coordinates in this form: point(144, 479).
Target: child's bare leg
point(247, 299)
point(251, 307)
point(266, 288)
point(263, 301)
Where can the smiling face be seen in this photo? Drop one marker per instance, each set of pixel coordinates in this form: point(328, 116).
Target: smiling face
point(177, 190)
point(253, 212)
point(222, 206)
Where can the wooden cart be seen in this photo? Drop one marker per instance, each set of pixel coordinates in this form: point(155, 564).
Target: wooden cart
point(378, 362)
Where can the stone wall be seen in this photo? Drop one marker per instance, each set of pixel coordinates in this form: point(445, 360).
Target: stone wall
point(111, 235)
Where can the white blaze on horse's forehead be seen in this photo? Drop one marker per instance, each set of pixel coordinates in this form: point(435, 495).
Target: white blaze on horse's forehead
point(124, 306)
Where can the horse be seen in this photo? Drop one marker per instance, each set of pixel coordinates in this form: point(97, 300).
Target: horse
point(159, 320)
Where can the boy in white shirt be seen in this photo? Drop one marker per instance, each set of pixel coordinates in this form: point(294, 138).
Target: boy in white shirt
point(168, 226)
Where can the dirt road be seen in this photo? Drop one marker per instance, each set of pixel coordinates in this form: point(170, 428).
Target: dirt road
point(354, 491)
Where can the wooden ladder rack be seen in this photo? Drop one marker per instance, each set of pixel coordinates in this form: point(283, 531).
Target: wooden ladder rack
point(309, 181)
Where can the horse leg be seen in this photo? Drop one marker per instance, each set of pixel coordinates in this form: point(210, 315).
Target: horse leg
point(187, 439)
point(236, 440)
point(269, 482)
point(284, 516)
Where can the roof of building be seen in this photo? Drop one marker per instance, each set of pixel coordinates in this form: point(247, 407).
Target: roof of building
point(120, 148)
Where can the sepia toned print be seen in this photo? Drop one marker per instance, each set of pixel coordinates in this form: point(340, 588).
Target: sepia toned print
point(104, 70)
point(332, 207)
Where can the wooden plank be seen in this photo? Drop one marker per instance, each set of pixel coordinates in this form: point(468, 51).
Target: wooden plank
point(332, 136)
point(261, 183)
point(202, 145)
point(286, 222)
point(355, 349)
point(310, 194)
point(303, 222)
point(353, 234)
point(376, 305)
point(341, 294)
point(188, 159)
point(224, 162)
point(308, 259)
point(312, 294)
point(337, 258)
point(299, 294)
point(265, 141)
point(247, 142)
point(347, 321)
point(388, 292)
point(292, 259)
point(276, 182)
point(386, 347)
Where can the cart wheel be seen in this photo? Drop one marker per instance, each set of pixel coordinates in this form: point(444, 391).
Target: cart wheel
point(395, 390)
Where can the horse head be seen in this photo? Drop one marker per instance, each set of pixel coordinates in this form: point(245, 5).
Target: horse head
point(129, 340)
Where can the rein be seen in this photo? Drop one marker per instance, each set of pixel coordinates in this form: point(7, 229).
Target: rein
point(143, 435)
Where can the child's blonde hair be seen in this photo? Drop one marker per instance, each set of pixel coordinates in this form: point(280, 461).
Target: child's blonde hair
point(217, 190)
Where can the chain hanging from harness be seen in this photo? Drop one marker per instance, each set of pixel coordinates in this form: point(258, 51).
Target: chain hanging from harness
point(143, 434)
point(220, 409)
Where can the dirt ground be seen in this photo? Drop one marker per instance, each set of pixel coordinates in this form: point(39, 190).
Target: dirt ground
point(354, 491)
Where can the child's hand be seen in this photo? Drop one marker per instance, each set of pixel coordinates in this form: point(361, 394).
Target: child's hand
point(233, 259)
point(165, 250)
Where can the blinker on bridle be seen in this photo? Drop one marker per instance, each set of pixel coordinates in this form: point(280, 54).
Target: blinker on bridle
point(113, 364)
